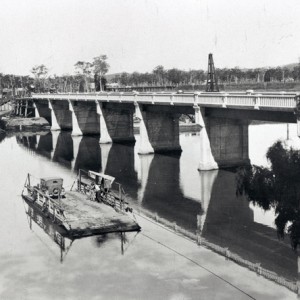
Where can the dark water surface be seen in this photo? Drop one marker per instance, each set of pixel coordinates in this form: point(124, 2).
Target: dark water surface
point(169, 187)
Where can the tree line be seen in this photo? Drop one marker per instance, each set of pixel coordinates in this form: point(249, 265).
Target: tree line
point(91, 76)
point(176, 77)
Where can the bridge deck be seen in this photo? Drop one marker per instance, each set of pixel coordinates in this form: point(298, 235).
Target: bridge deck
point(277, 101)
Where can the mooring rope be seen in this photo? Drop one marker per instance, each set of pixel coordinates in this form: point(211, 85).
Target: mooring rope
point(199, 265)
point(184, 256)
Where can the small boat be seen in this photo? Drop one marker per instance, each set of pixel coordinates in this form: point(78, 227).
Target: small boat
point(93, 207)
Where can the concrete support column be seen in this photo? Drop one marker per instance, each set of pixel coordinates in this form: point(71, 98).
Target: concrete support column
point(54, 123)
point(207, 161)
point(36, 111)
point(20, 107)
point(104, 135)
point(75, 126)
point(17, 107)
point(145, 146)
point(26, 108)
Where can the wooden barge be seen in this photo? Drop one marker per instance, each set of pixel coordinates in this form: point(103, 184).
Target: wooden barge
point(91, 208)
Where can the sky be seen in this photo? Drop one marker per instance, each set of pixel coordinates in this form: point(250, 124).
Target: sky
point(138, 35)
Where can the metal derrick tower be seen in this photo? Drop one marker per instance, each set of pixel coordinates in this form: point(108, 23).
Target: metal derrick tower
point(212, 84)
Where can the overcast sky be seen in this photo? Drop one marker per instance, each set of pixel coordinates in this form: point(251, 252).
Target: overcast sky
point(138, 35)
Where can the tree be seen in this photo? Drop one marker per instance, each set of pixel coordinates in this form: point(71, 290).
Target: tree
point(175, 76)
point(160, 74)
point(85, 70)
point(124, 78)
point(40, 73)
point(101, 67)
point(277, 187)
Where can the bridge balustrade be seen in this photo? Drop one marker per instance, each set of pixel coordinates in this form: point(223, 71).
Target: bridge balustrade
point(184, 98)
point(210, 100)
point(241, 100)
point(277, 101)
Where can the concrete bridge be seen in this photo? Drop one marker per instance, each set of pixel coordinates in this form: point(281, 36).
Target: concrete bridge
point(110, 115)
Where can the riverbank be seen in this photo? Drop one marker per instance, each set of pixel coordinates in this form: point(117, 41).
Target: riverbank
point(219, 278)
point(19, 124)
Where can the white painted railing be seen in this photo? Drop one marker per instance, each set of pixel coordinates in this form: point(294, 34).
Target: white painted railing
point(233, 100)
point(278, 101)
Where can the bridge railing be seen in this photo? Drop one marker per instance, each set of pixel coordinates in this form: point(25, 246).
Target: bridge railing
point(277, 101)
point(241, 100)
point(205, 99)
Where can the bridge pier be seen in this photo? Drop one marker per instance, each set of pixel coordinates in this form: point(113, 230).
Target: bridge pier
point(207, 161)
point(85, 120)
point(228, 141)
point(76, 131)
point(145, 146)
point(17, 107)
point(60, 115)
point(42, 109)
point(104, 135)
point(36, 111)
point(159, 128)
point(54, 123)
point(118, 119)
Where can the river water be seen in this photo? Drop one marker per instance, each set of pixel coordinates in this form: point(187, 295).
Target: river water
point(165, 187)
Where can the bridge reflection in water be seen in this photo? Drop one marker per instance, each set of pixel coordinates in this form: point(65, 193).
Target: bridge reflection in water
point(169, 188)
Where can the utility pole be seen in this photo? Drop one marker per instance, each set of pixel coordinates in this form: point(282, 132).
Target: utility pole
point(212, 84)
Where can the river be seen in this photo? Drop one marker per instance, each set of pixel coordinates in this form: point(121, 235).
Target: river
point(169, 188)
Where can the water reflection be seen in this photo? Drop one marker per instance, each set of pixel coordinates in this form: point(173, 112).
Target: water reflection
point(164, 195)
point(277, 187)
point(172, 188)
point(61, 237)
point(63, 151)
point(44, 145)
